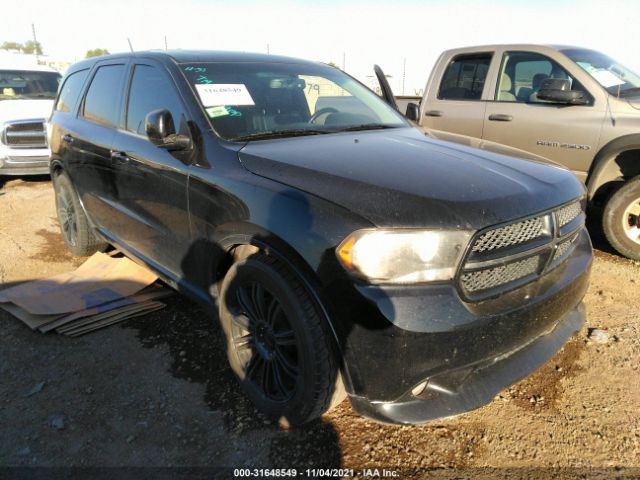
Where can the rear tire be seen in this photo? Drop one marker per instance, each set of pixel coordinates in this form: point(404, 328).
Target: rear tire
point(621, 219)
point(77, 234)
point(278, 345)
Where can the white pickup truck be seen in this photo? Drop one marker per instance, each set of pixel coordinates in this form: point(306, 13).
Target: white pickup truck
point(574, 106)
point(27, 92)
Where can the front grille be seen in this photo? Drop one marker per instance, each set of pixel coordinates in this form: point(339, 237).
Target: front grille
point(510, 235)
point(494, 277)
point(507, 256)
point(25, 134)
point(567, 214)
point(563, 248)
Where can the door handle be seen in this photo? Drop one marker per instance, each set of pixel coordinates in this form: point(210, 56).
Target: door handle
point(119, 157)
point(433, 113)
point(500, 117)
point(67, 138)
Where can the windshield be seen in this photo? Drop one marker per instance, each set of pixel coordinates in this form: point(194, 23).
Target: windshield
point(613, 76)
point(21, 84)
point(253, 101)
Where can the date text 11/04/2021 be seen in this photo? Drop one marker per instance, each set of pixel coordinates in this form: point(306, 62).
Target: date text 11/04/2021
point(315, 473)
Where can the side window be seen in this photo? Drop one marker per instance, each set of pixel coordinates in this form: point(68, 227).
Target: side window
point(101, 104)
point(70, 91)
point(464, 77)
point(151, 90)
point(522, 75)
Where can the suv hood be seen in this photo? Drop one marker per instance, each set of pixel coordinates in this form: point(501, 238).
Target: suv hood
point(401, 178)
point(25, 109)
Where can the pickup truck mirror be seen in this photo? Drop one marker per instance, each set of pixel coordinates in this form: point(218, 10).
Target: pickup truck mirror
point(159, 126)
point(559, 91)
point(413, 112)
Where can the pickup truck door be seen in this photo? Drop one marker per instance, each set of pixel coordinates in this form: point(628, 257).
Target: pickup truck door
point(567, 134)
point(454, 100)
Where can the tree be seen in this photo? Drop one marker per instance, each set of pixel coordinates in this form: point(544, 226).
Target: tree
point(12, 46)
point(32, 47)
point(96, 52)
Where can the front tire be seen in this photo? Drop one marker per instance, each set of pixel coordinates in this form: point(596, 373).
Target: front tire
point(621, 219)
point(277, 343)
point(77, 234)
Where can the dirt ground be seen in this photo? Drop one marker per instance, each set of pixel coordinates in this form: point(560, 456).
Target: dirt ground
point(156, 391)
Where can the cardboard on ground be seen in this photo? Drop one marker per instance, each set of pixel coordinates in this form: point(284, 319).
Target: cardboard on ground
point(101, 279)
point(106, 289)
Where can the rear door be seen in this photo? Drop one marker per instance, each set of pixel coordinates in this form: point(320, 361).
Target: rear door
point(91, 142)
point(567, 134)
point(152, 181)
point(456, 103)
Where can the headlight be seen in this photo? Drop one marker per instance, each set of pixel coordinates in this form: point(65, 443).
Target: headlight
point(403, 255)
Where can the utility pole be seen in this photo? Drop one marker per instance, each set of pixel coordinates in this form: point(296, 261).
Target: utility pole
point(35, 42)
point(130, 46)
point(344, 60)
point(165, 43)
point(404, 72)
point(267, 49)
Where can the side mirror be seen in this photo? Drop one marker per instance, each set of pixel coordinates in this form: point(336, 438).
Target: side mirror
point(161, 131)
point(559, 91)
point(413, 112)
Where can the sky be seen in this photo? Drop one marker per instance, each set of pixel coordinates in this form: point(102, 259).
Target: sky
point(358, 33)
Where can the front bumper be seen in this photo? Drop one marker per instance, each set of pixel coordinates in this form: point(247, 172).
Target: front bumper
point(24, 162)
point(466, 389)
point(393, 340)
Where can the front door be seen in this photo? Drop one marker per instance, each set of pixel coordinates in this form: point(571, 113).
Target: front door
point(152, 181)
point(567, 134)
point(456, 104)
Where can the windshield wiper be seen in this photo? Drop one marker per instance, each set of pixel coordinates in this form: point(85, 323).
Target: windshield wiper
point(299, 132)
point(365, 126)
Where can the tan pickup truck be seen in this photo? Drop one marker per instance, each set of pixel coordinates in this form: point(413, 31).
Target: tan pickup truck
point(575, 106)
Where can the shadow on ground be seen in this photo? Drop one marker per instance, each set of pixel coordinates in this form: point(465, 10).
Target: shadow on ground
point(197, 350)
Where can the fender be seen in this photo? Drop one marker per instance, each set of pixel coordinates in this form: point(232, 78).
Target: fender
point(605, 168)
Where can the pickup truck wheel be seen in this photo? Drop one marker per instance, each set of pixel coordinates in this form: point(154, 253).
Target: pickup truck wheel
point(277, 343)
point(74, 226)
point(621, 219)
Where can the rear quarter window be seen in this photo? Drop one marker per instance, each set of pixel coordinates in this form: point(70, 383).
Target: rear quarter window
point(70, 91)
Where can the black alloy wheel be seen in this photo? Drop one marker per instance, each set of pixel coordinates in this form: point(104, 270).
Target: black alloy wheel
point(278, 345)
point(265, 342)
point(77, 233)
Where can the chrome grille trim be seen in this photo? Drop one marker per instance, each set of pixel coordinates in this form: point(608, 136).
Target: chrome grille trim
point(25, 134)
point(507, 256)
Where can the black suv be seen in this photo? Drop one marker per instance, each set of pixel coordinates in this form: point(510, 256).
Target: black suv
point(340, 248)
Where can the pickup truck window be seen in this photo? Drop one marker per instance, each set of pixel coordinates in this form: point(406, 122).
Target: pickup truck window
point(70, 91)
point(464, 77)
point(23, 84)
point(255, 101)
point(522, 75)
point(613, 76)
point(101, 105)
